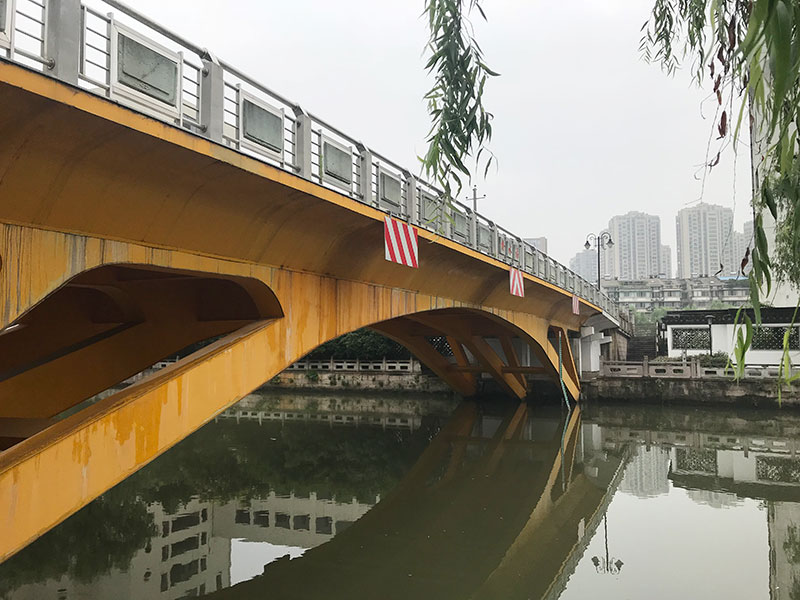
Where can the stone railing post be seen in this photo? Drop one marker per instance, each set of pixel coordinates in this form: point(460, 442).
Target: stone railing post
point(646, 366)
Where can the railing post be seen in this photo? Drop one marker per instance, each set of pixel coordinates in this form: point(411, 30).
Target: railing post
point(473, 229)
point(365, 167)
point(212, 98)
point(646, 367)
point(62, 39)
point(449, 223)
point(495, 242)
point(412, 198)
point(302, 142)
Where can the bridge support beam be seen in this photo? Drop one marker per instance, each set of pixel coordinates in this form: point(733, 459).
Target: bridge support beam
point(454, 327)
point(461, 358)
point(463, 383)
point(511, 359)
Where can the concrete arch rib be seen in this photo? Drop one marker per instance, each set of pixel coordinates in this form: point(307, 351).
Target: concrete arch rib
point(109, 323)
point(483, 342)
point(105, 443)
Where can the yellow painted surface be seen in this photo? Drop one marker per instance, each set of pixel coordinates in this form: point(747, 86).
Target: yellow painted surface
point(87, 183)
point(51, 475)
point(72, 162)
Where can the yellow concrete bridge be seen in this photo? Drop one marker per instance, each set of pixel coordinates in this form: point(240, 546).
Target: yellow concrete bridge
point(153, 197)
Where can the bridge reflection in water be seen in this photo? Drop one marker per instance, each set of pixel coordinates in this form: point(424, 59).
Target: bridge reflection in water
point(479, 505)
point(462, 523)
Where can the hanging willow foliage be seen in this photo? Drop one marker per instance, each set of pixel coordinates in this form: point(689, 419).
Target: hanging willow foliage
point(461, 127)
point(750, 50)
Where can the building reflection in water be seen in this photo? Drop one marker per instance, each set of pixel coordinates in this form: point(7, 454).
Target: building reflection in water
point(484, 510)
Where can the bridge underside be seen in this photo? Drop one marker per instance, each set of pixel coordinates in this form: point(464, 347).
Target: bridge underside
point(124, 240)
point(128, 307)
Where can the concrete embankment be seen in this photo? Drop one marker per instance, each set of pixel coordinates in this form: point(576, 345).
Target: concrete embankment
point(746, 392)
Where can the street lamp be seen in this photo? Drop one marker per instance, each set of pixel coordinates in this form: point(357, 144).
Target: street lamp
point(608, 565)
point(475, 199)
point(710, 320)
point(600, 241)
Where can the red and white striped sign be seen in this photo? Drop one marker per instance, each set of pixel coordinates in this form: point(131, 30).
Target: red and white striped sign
point(517, 285)
point(400, 242)
point(576, 305)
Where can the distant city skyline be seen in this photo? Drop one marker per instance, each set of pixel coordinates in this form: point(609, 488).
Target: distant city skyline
point(708, 245)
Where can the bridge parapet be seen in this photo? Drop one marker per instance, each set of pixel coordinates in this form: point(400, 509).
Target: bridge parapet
point(131, 59)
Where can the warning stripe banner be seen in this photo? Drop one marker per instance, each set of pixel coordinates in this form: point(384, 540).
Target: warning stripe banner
point(576, 305)
point(400, 242)
point(517, 284)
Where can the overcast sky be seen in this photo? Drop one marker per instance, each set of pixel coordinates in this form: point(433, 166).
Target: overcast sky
point(584, 129)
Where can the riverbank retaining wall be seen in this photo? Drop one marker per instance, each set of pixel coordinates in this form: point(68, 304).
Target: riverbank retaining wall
point(756, 392)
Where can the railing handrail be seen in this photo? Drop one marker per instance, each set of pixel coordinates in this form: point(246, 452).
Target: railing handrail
point(63, 35)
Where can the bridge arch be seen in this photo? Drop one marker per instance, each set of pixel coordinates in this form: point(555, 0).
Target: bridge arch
point(57, 470)
point(110, 322)
point(480, 341)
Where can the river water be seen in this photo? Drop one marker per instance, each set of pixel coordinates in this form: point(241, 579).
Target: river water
point(394, 497)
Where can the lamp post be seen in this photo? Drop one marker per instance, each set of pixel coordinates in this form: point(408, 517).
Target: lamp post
point(710, 320)
point(475, 199)
point(608, 565)
point(600, 241)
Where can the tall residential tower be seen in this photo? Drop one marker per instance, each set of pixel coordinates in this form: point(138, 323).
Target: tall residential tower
point(636, 253)
point(707, 245)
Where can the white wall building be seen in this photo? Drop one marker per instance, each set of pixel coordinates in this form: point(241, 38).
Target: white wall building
point(688, 332)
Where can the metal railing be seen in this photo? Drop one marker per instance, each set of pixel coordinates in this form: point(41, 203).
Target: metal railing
point(86, 45)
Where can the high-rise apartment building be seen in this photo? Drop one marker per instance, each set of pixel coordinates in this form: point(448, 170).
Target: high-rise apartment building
point(665, 269)
point(584, 263)
point(636, 253)
point(540, 243)
point(706, 242)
